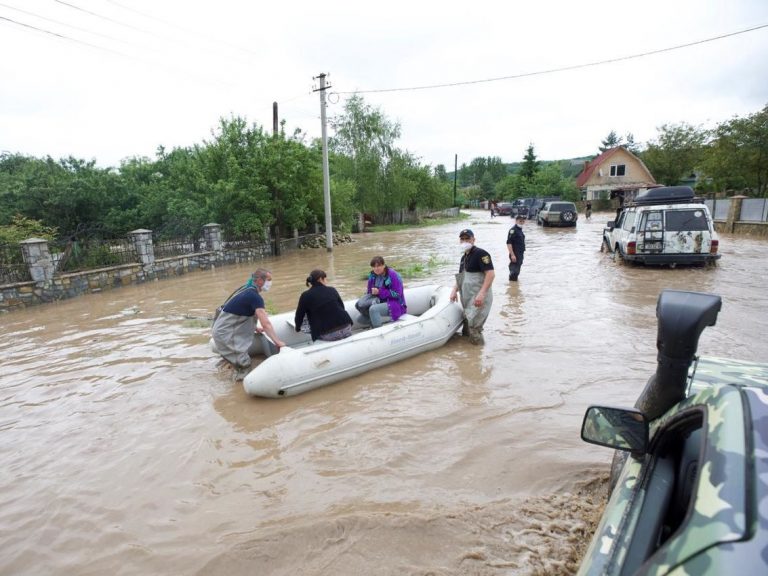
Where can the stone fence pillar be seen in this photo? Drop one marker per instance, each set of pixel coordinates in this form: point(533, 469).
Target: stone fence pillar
point(37, 256)
point(734, 213)
point(212, 235)
point(142, 241)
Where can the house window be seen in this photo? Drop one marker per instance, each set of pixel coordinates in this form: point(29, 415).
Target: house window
point(618, 169)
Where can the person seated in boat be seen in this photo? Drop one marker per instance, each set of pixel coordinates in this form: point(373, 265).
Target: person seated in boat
point(235, 325)
point(323, 307)
point(385, 284)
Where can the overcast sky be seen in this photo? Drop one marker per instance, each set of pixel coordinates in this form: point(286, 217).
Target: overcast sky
point(106, 80)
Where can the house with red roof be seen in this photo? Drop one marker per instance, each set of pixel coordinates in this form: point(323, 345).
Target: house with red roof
point(615, 172)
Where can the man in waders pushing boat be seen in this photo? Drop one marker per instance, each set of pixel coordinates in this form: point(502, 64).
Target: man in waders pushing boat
point(474, 281)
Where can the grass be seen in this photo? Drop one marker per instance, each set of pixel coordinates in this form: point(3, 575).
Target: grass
point(411, 270)
point(425, 222)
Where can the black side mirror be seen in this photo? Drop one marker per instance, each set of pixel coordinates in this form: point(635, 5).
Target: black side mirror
point(610, 225)
point(618, 428)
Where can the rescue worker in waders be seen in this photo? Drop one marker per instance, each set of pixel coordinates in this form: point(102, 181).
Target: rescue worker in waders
point(474, 282)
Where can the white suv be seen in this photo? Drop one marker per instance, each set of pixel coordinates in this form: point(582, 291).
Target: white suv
point(663, 226)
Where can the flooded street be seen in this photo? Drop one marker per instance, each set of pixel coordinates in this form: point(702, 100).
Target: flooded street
point(126, 451)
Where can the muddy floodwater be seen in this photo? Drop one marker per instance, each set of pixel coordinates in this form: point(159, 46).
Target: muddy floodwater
point(126, 451)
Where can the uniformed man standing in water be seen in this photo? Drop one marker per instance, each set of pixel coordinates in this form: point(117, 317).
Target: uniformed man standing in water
point(516, 248)
point(474, 281)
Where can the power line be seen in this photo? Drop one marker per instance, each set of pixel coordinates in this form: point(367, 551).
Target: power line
point(63, 24)
point(560, 69)
point(62, 36)
point(181, 28)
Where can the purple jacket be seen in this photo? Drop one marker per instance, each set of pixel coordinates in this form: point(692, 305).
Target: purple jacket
point(390, 292)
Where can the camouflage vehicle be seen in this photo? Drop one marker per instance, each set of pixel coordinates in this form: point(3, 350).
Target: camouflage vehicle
point(663, 226)
point(690, 492)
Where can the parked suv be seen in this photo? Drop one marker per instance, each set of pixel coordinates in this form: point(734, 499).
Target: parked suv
point(521, 206)
point(664, 225)
point(557, 213)
point(538, 204)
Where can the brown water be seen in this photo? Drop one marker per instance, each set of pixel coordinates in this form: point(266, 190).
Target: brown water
point(126, 451)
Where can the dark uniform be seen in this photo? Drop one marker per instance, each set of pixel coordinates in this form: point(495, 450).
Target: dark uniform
point(476, 260)
point(516, 239)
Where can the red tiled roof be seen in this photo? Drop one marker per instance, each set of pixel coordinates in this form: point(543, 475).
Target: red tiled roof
point(592, 166)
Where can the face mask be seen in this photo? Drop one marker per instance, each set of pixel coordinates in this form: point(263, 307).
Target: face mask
point(465, 246)
point(267, 286)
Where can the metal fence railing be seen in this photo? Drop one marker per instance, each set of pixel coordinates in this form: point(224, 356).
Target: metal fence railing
point(13, 269)
point(177, 246)
point(77, 254)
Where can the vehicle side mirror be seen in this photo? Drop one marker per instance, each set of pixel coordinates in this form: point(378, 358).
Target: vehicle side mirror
point(610, 225)
point(619, 428)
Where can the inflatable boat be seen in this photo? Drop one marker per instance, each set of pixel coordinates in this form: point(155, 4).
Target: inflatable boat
point(304, 365)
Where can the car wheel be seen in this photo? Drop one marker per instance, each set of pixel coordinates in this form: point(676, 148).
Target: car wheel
point(605, 248)
point(618, 255)
point(568, 216)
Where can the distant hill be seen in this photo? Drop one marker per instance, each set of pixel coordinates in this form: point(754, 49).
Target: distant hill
point(572, 167)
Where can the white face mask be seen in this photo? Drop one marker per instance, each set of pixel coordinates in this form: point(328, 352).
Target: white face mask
point(267, 286)
point(465, 246)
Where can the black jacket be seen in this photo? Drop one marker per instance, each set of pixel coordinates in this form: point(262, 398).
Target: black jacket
point(325, 310)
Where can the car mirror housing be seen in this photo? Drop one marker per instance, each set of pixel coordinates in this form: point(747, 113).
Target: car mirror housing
point(619, 428)
point(610, 225)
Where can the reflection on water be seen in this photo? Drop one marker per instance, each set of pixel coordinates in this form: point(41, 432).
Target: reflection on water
point(127, 451)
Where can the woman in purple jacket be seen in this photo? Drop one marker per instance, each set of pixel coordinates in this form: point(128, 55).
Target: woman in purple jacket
point(387, 285)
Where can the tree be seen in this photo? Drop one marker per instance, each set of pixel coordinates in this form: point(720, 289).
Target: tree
point(675, 153)
point(737, 157)
point(530, 165)
point(610, 141)
point(364, 143)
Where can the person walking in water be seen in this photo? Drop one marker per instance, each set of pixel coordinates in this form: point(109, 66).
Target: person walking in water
point(474, 281)
point(516, 248)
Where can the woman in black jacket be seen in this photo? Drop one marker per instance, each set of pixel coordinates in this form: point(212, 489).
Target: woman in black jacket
point(323, 307)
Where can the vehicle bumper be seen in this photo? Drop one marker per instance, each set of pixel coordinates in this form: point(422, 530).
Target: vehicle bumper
point(661, 259)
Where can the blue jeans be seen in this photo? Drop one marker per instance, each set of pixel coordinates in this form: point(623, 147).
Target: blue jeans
point(376, 312)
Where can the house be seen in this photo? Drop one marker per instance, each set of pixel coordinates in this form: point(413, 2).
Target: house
point(615, 172)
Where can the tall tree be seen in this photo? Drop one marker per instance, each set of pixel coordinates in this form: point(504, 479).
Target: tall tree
point(364, 141)
point(610, 141)
point(530, 165)
point(737, 158)
point(675, 152)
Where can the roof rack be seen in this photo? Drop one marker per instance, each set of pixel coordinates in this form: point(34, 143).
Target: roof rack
point(664, 195)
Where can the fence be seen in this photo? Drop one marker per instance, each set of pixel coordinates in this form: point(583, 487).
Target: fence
point(750, 210)
point(39, 271)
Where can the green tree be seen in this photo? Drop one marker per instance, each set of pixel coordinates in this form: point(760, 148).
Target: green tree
point(530, 165)
point(610, 141)
point(737, 157)
point(364, 143)
point(675, 153)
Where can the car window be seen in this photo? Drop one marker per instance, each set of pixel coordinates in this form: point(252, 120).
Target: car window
point(652, 221)
point(629, 221)
point(684, 220)
point(561, 206)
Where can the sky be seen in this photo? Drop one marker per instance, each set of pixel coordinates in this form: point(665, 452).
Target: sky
point(108, 80)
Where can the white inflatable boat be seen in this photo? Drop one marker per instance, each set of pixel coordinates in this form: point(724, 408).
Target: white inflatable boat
point(303, 365)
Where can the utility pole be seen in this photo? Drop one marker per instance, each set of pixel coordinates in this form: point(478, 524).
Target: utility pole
point(275, 194)
point(455, 175)
point(326, 175)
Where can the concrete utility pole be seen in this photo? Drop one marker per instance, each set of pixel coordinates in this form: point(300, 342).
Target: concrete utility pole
point(326, 175)
point(455, 175)
point(275, 195)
